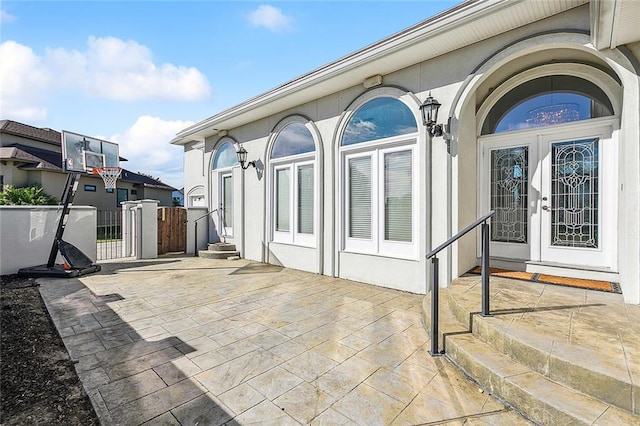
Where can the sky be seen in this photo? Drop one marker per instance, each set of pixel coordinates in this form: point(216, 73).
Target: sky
point(138, 72)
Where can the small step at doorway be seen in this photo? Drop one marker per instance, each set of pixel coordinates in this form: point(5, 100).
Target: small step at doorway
point(220, 251)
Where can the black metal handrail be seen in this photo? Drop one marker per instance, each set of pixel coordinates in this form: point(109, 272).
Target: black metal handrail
point(195, 231)
point(434, 275)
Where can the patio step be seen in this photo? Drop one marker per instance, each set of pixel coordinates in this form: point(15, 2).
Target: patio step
point(514, 366)
point(220, 251)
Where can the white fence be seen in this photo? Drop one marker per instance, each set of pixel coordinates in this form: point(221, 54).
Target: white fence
point(27, 232)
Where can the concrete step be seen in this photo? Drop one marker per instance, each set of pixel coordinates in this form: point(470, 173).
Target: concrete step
point(535, 395)
point(597, 370)
point(539, 398)
point(211, 254)
point(220, 246)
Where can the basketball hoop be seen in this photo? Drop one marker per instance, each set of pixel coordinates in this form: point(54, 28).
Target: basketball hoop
point(108, 174)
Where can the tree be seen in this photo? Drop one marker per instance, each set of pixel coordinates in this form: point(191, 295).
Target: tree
point(26, 196)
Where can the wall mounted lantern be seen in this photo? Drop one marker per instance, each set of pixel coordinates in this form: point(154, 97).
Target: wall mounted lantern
point(241, 153)
point(429, 111)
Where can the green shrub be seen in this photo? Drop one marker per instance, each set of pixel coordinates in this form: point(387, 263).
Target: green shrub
point(27, 196)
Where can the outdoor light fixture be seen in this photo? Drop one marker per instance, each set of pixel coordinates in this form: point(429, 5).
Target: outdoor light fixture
point(241, 153)
point(429, 111)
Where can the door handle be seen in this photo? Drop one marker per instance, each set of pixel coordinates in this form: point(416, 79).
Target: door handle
point(545, 207)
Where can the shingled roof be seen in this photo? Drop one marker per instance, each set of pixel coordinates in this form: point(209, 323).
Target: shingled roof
point(24, 130)
point(32, 158)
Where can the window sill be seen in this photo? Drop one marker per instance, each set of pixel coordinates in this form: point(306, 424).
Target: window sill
point(292, 244)
point(382, 255)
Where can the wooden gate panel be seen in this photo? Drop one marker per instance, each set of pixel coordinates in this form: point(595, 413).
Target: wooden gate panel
point(172, 229)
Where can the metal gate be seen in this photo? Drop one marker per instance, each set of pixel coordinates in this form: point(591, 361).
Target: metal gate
point(172, 229)
point(109, 234)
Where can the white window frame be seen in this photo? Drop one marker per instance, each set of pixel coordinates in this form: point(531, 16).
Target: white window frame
point(377, 245)
point(293, 164)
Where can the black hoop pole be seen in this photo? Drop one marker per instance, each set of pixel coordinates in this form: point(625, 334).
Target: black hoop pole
point(68, 193)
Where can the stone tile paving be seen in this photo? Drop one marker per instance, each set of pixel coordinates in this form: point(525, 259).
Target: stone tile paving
point(186, 341)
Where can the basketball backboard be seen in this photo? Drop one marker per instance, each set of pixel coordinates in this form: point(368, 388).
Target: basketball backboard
point(82, 153)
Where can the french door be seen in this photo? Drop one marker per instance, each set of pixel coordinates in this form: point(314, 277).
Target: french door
point(554, 193)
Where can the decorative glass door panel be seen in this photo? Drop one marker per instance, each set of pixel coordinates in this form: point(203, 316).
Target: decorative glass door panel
point(509, 194)
point(574, 194)
point(578, 198)
point(508, 168)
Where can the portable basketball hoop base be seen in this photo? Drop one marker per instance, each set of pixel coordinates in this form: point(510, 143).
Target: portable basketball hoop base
point(76, 263)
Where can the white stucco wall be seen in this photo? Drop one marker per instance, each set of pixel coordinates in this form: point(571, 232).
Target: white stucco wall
point(27, 232)
point(461, 80)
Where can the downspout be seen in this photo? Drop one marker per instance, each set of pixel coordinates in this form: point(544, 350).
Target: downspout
point(265, 220)
point(428, 198)
point(320, 209)
point(242, 214)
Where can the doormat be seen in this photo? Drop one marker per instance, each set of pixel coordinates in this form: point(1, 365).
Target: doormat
point(552, 279)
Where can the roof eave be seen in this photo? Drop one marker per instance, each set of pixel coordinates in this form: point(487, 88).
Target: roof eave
point(353, 68)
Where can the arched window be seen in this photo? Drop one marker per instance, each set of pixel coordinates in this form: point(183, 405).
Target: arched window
point(379, 157)
point(546, 101)
point(225, 156)
point(377, 119)
point(293, 169)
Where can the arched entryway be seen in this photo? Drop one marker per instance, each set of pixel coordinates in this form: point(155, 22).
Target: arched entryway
point(547, 150)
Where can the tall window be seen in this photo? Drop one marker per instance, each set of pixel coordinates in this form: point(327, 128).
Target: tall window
point(379, 156)
point(293, 170)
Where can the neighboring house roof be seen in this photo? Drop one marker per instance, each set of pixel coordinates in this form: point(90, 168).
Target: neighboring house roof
point(144, 181)
point(17, 154)
point(24, 130)
point(33, 158)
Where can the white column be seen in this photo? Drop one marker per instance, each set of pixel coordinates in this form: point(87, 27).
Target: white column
point(147, 229)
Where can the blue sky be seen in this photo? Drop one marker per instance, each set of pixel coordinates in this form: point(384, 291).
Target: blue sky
point(136, 73)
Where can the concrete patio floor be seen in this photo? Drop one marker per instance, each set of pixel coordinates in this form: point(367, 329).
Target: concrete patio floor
point(186, 341)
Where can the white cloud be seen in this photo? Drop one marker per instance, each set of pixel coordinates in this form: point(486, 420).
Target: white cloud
point(24, 83)
point(109, 68)
point(6, 18)
point(271, 18)
point(114, 69)
point(146, 147)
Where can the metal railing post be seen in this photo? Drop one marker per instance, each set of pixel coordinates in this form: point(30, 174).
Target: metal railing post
point(195, 239)
point(486, 272)
point(485, 276)
point(434, 308)
point(195, 230)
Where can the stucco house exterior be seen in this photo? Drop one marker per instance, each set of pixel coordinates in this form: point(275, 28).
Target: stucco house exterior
point(540, 104)
point(30, 155)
